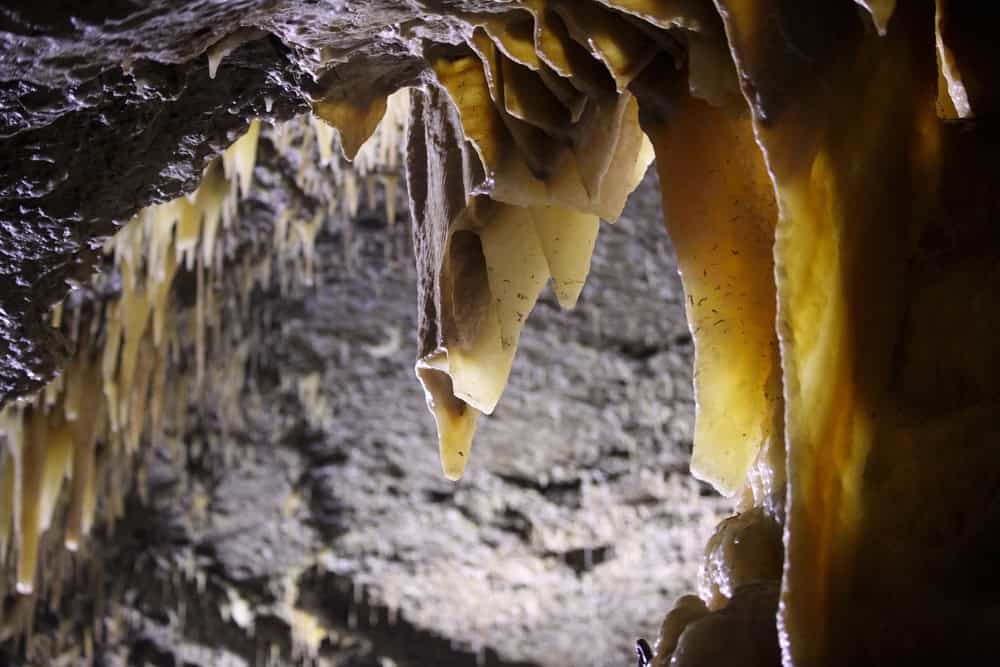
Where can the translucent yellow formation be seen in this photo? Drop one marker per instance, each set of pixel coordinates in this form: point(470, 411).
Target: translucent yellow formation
point(513, 33)
point(239, 159)
point(567, 58)
point(582, 177)
point(496, 269)
point(466, 83)
point(117, 394)
point(515, 267)
point(600, 131)
point(189, 221)
point(479, 367)
point(836, 329)
point(560, 148)
point(455, 419)
point(87, 425)
point(527, 98)
point(567, 238)
point(210, 201)
point(307, 231)
point(45, 451)
point(391, 184)
point(623, 48)
point(324, 139)
point(28, 520)
point(890, 415)
point(719, 208)
point(355, 121)
point(633, 153)
point(7, 492)
point(380, 152)
point(559, 137)
point(58, 462)
point(10, 478)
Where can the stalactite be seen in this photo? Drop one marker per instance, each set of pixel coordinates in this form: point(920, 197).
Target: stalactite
point(808, 159)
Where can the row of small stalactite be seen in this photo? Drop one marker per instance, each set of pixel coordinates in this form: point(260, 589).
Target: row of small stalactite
point(70, 453)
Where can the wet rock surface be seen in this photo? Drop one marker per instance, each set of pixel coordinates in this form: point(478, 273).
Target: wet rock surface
point(319, 523)
point(109, 106)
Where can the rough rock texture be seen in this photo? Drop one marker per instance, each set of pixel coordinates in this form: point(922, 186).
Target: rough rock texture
point(108, 107)
point(575, 526)
point(85, 146)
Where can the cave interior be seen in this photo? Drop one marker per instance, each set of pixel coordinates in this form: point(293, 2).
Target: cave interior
point(516, 333)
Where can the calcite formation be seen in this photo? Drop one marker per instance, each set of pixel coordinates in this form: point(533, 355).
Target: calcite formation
point(826, 179)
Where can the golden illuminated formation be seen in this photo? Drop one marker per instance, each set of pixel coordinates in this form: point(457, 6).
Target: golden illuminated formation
point(539, 95)
point(829, 184)
point(830, 201)
point(115, 390)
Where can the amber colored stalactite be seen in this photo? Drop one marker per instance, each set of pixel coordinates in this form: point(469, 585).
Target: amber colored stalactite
point(355, 121)
point(719, 210)
point(870, 197)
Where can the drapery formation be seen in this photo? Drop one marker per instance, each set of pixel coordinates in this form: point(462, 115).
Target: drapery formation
point(827, 181)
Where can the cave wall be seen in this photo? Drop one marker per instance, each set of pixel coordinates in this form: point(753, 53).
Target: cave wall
point(315, 523)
